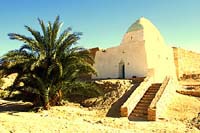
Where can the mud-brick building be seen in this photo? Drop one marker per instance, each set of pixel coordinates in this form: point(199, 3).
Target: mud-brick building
point(141, 52)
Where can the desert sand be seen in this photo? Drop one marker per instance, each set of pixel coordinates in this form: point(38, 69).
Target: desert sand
point(74, 118)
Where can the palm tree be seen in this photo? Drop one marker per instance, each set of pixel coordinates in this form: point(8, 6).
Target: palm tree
point(47, 60)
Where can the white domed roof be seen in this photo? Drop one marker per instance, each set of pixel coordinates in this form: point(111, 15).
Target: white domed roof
point(140, 24)
point(142, 29)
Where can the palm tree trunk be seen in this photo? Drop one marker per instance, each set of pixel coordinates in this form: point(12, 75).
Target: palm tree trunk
point(56, 99)
point(46, 99)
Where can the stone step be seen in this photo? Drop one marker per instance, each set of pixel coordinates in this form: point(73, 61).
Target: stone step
point(143, 105)
point(154, 87)
point(135, 118)
point(152, 90)
point(141, 108)
point(139, 114)
point(151, 93)
point(145, 101)
point(140, 111)
point(148, 98)
point(156, 84)
point(148, 95)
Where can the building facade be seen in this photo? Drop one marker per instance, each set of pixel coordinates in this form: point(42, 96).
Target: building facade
point(142, 52)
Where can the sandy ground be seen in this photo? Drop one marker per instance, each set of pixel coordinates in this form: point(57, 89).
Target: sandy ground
point(74, 118)
point(190, 82)
point(14, 118)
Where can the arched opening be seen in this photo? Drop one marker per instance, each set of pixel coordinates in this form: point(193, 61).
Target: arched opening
point(131, 37)
point(122, 70)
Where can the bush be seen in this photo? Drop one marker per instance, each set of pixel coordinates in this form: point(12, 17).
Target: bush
point(1, 83)
point(4, 93)
point(78, 91)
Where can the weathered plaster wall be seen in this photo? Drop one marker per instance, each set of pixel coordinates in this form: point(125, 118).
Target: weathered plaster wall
point(142, 49)
point(132, 54)
point(166, 99)
point(132, 36)
point(187, 62)
point(159, 55)
point(161, 60)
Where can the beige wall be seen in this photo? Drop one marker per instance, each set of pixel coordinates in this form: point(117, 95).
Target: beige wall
point(132, 54)
point(187, 62)
point(159, 55)
point(142, 49)
point(161, 60)
point(166, 99)
point(132, 36)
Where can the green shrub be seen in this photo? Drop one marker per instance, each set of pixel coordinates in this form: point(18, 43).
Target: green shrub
point(79, 90)
point(1, 83)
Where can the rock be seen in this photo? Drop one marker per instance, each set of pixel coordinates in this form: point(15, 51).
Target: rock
point(99, 122)
point(196, 121)
point(89, 102)
point(92, 102)
point(189, 92)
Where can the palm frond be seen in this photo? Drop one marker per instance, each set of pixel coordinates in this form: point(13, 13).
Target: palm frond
point(24, 39)
point(67, 43)
point(36, 34)
point(25, 47)
point(63, 36)
point(42, 25)
point(46, 61)
point(57, 68)
point(55, 30)
point(49, 36)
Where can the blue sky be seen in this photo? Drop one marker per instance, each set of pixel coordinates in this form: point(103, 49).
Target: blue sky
point(103, 22)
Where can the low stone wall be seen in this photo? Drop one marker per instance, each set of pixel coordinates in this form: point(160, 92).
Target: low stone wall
point(186, 62)
point(153, 106)
point(189, 92)
point(135, 97)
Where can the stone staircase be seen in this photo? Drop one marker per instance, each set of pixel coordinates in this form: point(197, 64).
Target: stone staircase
point(140, 112)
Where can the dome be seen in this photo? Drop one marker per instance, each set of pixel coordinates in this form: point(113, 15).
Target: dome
point(139, 24)
point(135, 26)
point(141, 30)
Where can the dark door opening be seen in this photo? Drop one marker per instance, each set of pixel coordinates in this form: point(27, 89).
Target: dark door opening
point(122, 70)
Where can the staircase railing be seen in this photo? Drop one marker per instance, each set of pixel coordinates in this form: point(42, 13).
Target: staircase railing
point(135, 97)
point(152, 106)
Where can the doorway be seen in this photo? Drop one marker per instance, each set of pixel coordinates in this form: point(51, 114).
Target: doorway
point(122, 70)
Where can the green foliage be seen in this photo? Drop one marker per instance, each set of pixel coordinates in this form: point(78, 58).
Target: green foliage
point(46, 60)
point(85, 89)
point(79, 91)
point(1, 82)
point(4, 93)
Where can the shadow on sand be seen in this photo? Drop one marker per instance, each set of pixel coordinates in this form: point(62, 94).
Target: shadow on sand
point(114, 111)
point(14, 106)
